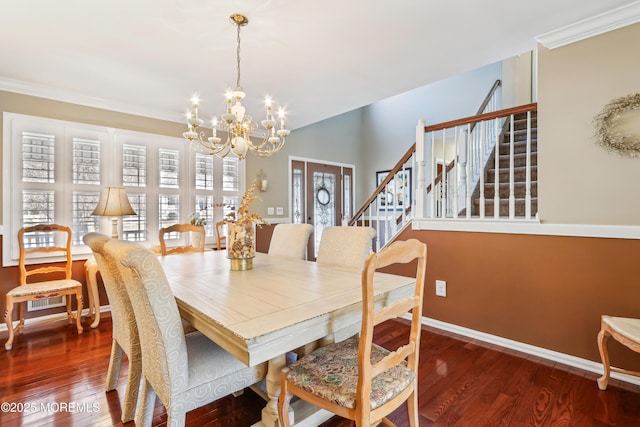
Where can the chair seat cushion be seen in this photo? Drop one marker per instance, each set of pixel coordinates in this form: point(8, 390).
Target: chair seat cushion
point(331, 373)
point(627, 327)
point(47, 289)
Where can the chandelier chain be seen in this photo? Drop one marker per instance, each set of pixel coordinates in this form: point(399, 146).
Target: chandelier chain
point(238, 56)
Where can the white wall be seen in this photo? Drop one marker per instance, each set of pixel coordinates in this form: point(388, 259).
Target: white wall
point(388, 126)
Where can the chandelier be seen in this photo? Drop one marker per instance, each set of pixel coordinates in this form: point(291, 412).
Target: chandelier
point(235, 122)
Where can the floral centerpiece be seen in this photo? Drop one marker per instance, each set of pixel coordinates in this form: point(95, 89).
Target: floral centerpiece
point(196, 219)
point(241, 247)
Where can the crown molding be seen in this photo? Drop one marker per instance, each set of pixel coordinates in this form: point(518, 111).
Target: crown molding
point(599, 24)
point(41, 91)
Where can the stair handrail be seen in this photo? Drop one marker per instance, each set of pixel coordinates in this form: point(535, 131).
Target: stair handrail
point(399, 165)
point(384, 183)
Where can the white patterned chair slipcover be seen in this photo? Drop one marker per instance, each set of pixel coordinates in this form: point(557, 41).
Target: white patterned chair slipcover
point(124, 329)
point(184, 371)
point(345, 246)
point(290, 240)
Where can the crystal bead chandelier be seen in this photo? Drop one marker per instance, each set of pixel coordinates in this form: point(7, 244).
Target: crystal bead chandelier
point(235, 122)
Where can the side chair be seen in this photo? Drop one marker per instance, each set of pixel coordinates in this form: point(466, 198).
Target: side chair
point(44, 240)
point(125, 338)
point(220, 237)
point(290, 240)
point(181, 228)
point(355, 378)
point(184, 371)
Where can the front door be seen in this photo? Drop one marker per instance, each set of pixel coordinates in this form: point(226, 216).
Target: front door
point(322, 197)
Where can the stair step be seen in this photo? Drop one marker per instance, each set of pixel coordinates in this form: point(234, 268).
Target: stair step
point(519, 190)
point(519, 159)
point(519, 174)
point(520, 122)
point(519, 207)
point(520, 135)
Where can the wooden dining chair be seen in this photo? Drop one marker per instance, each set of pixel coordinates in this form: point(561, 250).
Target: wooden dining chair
point(184, 371)
point(626, 331)
point(181, 228)
point(290, 240)
point(355, 378)
point(43, 240)
point(125, 339)
point(220, 237)
point(345, 246)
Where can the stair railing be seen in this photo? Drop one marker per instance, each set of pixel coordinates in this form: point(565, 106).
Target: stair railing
point(387, 216)
point(466, 145)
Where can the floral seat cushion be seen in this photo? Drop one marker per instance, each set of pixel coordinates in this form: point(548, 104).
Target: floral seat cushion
point(331, 373)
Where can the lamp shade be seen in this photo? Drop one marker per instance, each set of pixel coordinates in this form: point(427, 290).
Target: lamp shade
point(113, 202)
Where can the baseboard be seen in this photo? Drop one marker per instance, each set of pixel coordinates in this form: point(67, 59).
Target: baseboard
point(576, 362)
point(27, 322)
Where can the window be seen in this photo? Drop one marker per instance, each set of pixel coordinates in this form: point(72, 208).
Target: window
point(56, 171)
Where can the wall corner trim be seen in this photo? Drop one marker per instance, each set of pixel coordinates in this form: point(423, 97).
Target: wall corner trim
point(532, 227)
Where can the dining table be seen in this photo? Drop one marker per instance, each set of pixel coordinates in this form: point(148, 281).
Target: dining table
point(280, 305)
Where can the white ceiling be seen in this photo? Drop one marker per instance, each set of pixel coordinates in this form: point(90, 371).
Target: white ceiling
point(317, 58)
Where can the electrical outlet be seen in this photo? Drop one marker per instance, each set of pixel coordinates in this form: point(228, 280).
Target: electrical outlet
point(270, 211)
point(441, 288)
point(279, 211)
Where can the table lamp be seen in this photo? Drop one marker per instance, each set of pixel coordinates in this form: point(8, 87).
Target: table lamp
point(114, 203)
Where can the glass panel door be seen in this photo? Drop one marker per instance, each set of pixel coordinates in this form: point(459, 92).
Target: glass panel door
point(324, 201)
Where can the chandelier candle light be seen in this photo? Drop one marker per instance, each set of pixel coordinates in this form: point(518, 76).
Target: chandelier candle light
point(238, 125)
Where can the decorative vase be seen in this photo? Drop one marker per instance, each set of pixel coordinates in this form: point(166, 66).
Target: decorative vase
point(195, 239)
point(241, 246)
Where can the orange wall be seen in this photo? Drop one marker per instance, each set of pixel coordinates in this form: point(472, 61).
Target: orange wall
point(546, 291)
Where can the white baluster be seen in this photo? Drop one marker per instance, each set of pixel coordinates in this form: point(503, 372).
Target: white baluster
point(512, 197)
point(420, 160)
point(527, 197)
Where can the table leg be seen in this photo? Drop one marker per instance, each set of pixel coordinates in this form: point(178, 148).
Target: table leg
point(270, 412)
point(91, 271)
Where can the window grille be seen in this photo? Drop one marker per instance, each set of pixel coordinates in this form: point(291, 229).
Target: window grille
point(169, 168)
point(134, 165)
point(86, 161)
point(38, 158)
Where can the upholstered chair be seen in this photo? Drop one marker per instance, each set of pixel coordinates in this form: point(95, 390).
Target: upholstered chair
point(626, 331)
point(345, 246)
point(290, 240)
point(125, 338)
point(184, 371)
point(355, 378)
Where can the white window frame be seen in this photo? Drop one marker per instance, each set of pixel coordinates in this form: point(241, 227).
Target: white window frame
point(111, 142)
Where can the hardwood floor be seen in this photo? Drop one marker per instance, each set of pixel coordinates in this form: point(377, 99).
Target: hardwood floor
point(462, 383)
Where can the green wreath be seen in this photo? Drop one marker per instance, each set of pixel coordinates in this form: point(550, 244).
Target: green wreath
point(605, 123)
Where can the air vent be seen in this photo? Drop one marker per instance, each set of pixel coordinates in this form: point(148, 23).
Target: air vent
point(45, 303)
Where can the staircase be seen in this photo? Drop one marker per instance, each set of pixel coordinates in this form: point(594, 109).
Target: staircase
point(519, 171)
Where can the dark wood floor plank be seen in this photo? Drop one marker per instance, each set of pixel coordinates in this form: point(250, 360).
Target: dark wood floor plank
point(462, 382)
